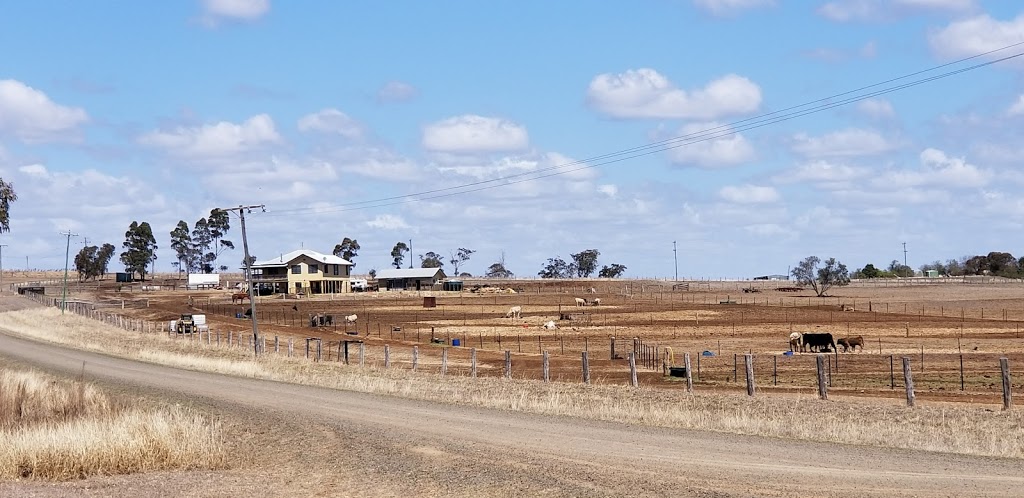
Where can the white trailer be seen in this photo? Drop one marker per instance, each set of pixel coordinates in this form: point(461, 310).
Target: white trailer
point(203, 281)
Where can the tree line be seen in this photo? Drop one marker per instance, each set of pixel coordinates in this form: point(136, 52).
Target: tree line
point(995, 263)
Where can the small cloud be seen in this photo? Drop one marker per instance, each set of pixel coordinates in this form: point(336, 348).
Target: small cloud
point(331, 121)
point(396, 91)
point(213, 141)
point(217, 11)
point(609, 190)
point(823, 172)
point(645, 93)
point(724, 149)
point(1017, 108)
point(472, 134)
point(975, 35)
point(749, 194)
point(387, 222)
point(725, 8)
point(850, 142)
point(876, 108)
point(937, 169)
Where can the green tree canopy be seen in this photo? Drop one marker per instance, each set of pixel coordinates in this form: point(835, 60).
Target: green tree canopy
point(821, 279)
point(139, 248)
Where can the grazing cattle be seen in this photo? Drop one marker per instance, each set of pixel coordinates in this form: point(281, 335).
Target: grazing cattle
point(239, 297)
point(795, 341)
point(593, 290)
point(514, 312)
point(847, 307)
point(549, 325)
point(596, 302)
point(818, 341)
point(851, 343)
point(350, 318)
point(580, 302)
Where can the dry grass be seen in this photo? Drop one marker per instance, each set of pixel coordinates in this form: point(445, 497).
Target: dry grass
point(59, 430)
point(942, 428)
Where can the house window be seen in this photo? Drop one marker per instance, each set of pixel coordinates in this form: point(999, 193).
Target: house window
point(296, 269)
point(336, 271)
point(314, 269)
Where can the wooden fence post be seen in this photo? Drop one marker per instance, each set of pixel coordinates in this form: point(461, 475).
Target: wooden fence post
point(908, 381)
point(586, 368)
point(546, 367)
point(508, 364)
point(291, 347)
point(415, 357)
point(387, 356)
point(1004, 367)
point(362, 354)
point(472, 362)
point(319, 349)
point(632, 371)
point(822, 384)
point(444, 361)
point(689, 377)
point(748, 363)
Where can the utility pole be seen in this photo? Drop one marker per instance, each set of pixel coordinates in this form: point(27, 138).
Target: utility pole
point(2, 246)
point(67, 254)
point(410, 254)
point(248, 272)
point(904, 254)
point(675, 258)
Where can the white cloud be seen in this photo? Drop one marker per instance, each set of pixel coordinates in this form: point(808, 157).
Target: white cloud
point(730, 7)
point(1017, 108)
point(822, 172)
point(396, 91)
point(976, 35)
point(331, 121)
point(29, 115)
point(749, 194)
point(609, 190)
point(937, 169)
point(473, 134)
point(276, 180)
point(388, 222)
point(876, 10)
point(645, 93)
point(726, 150)
point(215, 11)
point(843, 143)
point(876, 108)
point(213, 141)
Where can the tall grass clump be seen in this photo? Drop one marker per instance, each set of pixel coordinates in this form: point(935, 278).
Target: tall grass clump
point(57, 430)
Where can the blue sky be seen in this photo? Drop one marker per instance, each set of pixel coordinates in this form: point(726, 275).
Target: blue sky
point(112, 112)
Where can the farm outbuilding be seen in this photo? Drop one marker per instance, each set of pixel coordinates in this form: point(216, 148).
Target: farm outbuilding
point(410, 279)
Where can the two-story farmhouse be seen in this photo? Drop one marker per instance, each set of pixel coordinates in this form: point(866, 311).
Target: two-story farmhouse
point(303, 272)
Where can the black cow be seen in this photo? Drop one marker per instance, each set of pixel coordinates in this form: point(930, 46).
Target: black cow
point(821, 342)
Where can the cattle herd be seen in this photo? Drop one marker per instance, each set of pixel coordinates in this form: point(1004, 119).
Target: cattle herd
point(823, 342)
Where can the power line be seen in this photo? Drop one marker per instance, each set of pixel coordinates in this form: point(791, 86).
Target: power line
point(747, 124)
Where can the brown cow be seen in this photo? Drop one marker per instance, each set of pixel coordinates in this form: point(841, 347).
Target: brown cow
point(239, 297)
point(851, 343)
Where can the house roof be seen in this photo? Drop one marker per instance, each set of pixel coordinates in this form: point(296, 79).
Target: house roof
point(285, 259)
point(409, 273)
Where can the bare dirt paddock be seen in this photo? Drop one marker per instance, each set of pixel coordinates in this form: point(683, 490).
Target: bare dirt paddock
point(953, 332)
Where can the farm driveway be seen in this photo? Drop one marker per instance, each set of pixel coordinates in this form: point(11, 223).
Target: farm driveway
point(391, 446)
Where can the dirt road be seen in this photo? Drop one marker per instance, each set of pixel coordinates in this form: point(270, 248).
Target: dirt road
point(372, 445)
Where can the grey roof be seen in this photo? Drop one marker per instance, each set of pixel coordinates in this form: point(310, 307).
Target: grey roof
point(286, 258)
point(409, 273)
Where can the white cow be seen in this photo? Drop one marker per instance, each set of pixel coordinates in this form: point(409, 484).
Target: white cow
point(593, 290)
point(350, 319)
point(596, 302)
point(795, 341)
point(514, 312)
point(580, 302)
point(549, 325)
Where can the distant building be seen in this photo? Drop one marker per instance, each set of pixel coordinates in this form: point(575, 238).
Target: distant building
point(409, 279)
point(931, 273)
point(303, 272)
point(772, 277)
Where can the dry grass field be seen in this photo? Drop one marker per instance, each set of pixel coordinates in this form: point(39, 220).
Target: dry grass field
point(54, 429)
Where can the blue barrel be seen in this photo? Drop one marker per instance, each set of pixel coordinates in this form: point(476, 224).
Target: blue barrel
point(456, 342)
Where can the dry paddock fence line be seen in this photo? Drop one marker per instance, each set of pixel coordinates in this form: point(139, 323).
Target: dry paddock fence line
point(935, 373)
